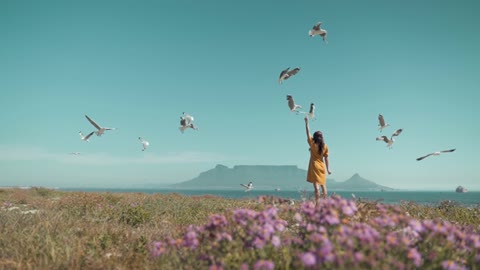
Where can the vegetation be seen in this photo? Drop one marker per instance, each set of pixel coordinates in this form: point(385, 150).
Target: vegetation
point(47, 229)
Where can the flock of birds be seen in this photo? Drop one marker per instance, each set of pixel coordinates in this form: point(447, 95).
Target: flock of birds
point(287, 74)
point(186, 120)
point(382, 124)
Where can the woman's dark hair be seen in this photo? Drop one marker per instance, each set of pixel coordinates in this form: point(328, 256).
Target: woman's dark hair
point(318, 139)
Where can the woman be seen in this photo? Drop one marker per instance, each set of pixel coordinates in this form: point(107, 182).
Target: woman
point(318, 162)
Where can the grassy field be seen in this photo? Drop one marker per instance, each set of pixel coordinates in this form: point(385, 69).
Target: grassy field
point(47, 229)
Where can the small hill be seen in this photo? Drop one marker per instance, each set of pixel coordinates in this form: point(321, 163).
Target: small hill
point(357, 183)
point(267, 177)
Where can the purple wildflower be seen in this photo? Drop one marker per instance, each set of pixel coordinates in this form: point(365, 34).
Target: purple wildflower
point(190, 240)
point(416, 225)
point(258, 242)
point(347, 210)
point(276, 241)
point(451, 265)
point(308, 259)
point(358, 257)
point(415, 256)
point(158, 249)
point(263, 265)
point(332, 217)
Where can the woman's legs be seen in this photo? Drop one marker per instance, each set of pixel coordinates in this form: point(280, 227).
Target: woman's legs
point(324, 191)
point(317, 193)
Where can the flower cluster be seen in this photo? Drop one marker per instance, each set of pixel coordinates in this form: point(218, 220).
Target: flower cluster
point(335, 234)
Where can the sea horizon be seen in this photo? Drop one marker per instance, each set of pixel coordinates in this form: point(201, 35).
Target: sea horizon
point(428, 197)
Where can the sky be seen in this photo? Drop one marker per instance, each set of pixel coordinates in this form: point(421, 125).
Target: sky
point(137, 65)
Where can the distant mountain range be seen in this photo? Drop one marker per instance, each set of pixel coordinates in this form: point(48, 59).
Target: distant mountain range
point(267, 177)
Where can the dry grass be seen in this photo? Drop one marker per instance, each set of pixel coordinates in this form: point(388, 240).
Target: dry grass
point(78, 230)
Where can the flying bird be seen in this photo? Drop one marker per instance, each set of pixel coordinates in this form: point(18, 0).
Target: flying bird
point(85, 138)
point(311, 112)
point(291, 104)
point(186, 121)
point(144, 143)
point(287, 73)
point(247, 187)
point(317, 30)
point(101, 129)
point(391, 140)
point(75, 153)
point(381, 123)
point(436, 154)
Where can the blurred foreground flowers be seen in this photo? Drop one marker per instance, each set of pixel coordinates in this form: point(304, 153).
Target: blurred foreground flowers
point(336, 234)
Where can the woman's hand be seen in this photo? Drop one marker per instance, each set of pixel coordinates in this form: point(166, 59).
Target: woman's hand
point(329, 172)
point(306, 119)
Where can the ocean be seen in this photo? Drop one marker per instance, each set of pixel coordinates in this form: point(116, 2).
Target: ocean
point(389, 197)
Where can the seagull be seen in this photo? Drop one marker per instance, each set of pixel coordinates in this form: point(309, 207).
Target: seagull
point(286, 74)
point(436, 154)
point(316, 30)
point(247, 187)
point(145, 144)
point(100, 130)
point(311, 113)
point(186, 121)
point(85, 138)
point(75, 153)
point(381, 123)
point(391, 140)
point(291, 104)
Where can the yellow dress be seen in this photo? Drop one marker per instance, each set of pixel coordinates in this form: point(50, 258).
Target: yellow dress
point(317, 172)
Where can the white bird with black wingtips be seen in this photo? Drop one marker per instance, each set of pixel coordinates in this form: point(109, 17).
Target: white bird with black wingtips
point(186, 121)
point(144, 143)
point(247, 187)
point(287, 73)
point(436, 154)
point(100, 129)
point(391, 140)
point(381, 123)
point(317, 30)
point(291, 104)
point(85, 138)
point(311, 112)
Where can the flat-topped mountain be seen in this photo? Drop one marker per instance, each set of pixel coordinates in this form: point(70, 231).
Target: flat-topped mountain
point(269, 177)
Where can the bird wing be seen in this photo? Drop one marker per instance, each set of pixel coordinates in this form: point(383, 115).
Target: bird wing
point(381, 120)
point(243, 185)
point(312, 108)
point(447, 151)
point(420, 158)
point(396, 133)
point(291, 103)
point(183, 121)
point(293, 71)
point(89, 135)
point(285, 71)
point(189, 119)
point(316, 27)
point(382, 138)
point(93, 122)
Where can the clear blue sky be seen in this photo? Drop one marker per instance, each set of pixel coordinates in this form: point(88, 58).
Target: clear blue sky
point(137, 65)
